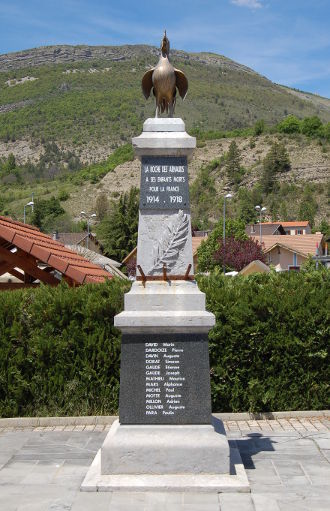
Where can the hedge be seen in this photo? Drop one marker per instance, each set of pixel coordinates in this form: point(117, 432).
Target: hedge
point(269, 348)
point(60, 353)
point(59, 350)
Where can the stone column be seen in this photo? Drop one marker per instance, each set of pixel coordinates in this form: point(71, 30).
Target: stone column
point(166, 437)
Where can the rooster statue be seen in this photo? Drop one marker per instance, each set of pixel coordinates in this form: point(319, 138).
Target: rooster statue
point(164, 79)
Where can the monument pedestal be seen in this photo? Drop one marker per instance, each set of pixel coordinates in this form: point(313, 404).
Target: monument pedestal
point(166, 438)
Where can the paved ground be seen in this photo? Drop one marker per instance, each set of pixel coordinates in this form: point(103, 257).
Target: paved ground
point(287, 462)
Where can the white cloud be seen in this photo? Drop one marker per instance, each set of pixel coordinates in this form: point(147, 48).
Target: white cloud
point(251, 4)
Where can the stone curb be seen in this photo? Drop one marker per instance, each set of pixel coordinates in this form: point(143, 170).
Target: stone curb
point(26, 422)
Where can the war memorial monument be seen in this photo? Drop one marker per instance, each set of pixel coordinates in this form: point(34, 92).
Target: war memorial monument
point(166, 438)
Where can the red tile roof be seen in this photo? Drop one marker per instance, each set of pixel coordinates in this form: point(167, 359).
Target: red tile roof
point(47, 250)
point(300, 223)
point(304, 245)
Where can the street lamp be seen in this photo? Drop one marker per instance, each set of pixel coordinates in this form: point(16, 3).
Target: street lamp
point(261, 210)
point(31, 204)
point(228, 196)
point(88, 217)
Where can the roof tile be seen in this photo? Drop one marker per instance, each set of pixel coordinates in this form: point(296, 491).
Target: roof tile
point(47, 250)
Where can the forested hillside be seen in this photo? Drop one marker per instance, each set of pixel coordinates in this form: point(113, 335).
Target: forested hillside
point(67, 115)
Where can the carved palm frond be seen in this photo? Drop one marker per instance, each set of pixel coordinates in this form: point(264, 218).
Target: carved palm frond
point(173, 240)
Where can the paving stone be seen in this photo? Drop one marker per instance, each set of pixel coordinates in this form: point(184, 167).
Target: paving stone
point(323, 443)
point(61, 458)
point(233, 502)
point(99, 427)
point(208, 499)
point(309, 504)
point(287, 468)
point(90, 427)
point(99, 501)
point(265, 502)
point(127, 501)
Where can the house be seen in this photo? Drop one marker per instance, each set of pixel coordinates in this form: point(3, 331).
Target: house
point(31, 257)
point(297, 227)
point(290, 252)
point(70, 239)
point(275, 228)
point(267, 228)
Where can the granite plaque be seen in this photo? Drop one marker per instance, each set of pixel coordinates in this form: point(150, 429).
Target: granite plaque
point(164, 183)
point(165, 379)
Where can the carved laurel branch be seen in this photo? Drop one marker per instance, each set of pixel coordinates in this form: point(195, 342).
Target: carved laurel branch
point(171, 243)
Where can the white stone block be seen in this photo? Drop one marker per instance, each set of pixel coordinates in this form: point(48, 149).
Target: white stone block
point(177, 295)
point(164, 124)
point(153, 449)
point(164, 137)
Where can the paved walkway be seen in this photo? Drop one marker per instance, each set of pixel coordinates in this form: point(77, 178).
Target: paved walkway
point(287, 462)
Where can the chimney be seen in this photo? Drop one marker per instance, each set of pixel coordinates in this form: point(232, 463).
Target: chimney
point(55, 235)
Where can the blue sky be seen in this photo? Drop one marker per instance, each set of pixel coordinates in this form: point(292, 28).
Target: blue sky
point(286, 40)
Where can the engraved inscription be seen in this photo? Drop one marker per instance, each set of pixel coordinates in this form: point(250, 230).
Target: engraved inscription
point(164, 379)
point(164, 183)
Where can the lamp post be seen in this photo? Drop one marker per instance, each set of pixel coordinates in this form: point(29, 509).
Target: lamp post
point(261, 210)
point(228, 196)
point(88, 217)
point(31, 203)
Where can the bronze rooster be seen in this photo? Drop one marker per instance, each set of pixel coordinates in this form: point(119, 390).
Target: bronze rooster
point(164, 79)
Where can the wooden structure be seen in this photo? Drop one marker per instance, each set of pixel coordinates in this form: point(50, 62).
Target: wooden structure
point(33, 257)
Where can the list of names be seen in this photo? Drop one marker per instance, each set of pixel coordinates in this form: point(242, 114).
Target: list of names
point(164, 379)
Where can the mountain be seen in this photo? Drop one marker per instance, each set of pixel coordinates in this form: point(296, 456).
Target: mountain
point(88, 98)
point(65, 107)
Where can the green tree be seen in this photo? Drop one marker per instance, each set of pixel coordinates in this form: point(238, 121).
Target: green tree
point(102, 205)
point(326, 131)
point(259, 127)
point(323, 227)
point(277, 160)
point(247, 200)
point(45, 212)
point(290, 124)
point(206, 251)
point(11, 162)
point(311, 126)
point(233, 164)
point(308, 206)
point(117, 232)
point(203, 195)
point(283, 215)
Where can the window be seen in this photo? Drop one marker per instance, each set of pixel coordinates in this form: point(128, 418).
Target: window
point(299, 231)
point(294, 259)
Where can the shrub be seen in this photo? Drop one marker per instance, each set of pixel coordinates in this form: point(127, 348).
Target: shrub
point(290, 124)
point(235, 254)
point(59, 350)
point(269, 348)
point(259, 127)
point(207, 249)
point(311, 126)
